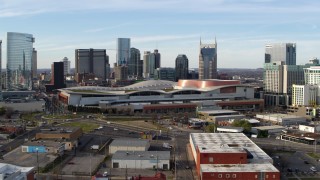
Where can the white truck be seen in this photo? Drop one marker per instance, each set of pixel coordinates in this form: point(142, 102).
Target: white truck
point(167, 145)
point(94, 147)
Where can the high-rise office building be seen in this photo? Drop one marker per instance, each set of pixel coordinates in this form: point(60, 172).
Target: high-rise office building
point(148, 65)
point(66, 66)
point(123, 51)
point(0, 64)
point(34, 63)
point(133, 64)
point(57, 77)
point(182, 67)
point(120, 72)
point(208, 61)
point(19, 61)
point(157, 59)
point(168, 74)
point(283, 52)
point(91, 61)
point(278, 81)
point(140, 69)
point(312, 75)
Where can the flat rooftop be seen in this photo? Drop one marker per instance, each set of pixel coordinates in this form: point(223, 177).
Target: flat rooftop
point(130, 142)
point(218, 111)
point(48, 143)
point(228, 143)
point(269, 127)
point(10, 169)
point(238, 168)
point(141, 155)
point(278, 115)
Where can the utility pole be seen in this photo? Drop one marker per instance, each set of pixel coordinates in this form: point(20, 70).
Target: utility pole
point(37, 163)
point(126, 172)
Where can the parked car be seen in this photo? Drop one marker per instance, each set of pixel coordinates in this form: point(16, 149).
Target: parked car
point(105, 174)
point(313, 169)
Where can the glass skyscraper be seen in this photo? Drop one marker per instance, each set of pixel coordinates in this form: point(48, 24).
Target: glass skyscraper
point(19, 61)
point(123, 51)
point(283, 52)
point(208, 61)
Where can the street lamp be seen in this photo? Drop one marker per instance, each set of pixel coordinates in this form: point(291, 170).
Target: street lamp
point(37, 162)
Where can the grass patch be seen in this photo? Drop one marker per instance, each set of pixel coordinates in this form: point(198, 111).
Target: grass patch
point(314, 155)
point(30, 116)
point(141, 124)
point(86, 127)
point(63, 116)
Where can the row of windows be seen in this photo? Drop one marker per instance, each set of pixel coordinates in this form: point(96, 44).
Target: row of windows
point(235, 176)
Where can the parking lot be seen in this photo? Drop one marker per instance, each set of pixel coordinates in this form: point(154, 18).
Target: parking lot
point(82, 164)
point(20, 158)
point(295, 164)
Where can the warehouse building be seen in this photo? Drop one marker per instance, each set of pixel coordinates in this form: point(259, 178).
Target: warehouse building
point(220, 116)
point(128, 145)
point(275, 129)
point(9, 171)
point(141, 160)
point(68, 135)
point(44, 147)
point(230, 156)
point(282, 119)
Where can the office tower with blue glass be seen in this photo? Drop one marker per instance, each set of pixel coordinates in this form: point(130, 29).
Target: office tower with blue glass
point(19, 61)
point(123, 51)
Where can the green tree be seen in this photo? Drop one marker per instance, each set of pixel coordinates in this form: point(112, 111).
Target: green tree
point(2, 111)
point(243, 123)
point(210, 128)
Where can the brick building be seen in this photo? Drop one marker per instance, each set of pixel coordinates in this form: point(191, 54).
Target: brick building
point(69, 135)
point(230, 156)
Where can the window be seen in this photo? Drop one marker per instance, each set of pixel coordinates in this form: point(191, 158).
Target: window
point(220, 176)
point(256, 176)
point(227, 175)
point(211, 159)
point(274, 176)
point(234, 175)
point(267, 176)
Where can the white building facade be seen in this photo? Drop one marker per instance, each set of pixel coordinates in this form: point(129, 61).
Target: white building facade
point(304, 95)
point(141, 160)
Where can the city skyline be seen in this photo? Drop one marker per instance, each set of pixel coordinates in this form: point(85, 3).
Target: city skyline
point(242, 29)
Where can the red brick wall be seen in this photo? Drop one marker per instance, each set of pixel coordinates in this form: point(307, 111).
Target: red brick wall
point(239, 176)
point(30, 176)
point(224, 158)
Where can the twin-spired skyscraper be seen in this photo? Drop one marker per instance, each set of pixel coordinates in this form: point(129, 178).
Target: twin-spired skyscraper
point(208, 61)
point(19, 61)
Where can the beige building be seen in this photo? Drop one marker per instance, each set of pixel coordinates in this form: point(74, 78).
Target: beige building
point(128, 145)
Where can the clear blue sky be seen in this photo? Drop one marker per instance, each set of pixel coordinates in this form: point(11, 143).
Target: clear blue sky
point(242, 27)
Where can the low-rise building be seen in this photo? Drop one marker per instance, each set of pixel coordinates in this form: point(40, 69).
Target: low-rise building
point(269, 129)
point(43, 147)
point(282, 119)
point(68, 135)
point(220, 116)
point(230, 155)
point(310, 128)
point(128, 145)
point(301, 137)
point(141, 159)
point(9, 171)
